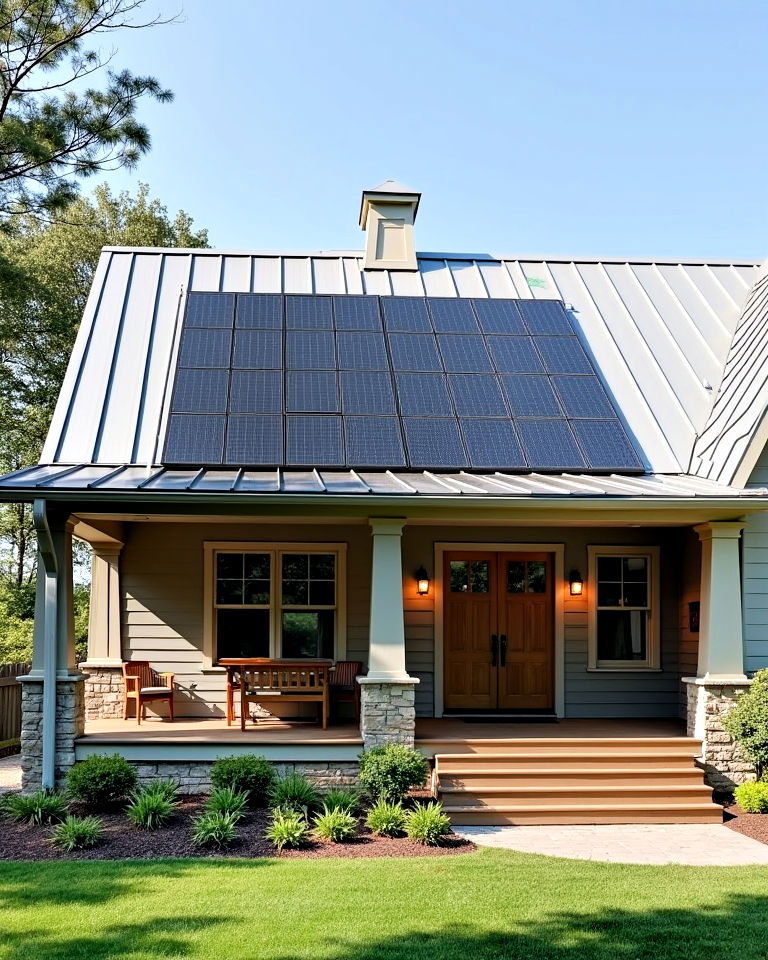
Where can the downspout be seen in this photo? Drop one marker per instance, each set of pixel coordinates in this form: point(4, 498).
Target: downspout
point(47, 554)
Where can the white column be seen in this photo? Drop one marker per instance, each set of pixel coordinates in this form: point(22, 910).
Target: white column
point(104, 646)
point(386, 658)
point(721, 643)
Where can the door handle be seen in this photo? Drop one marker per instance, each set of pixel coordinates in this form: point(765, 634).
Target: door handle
point(494, 650)
point(503, 645)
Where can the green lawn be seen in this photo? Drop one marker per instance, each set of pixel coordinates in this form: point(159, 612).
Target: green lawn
point(490, 904)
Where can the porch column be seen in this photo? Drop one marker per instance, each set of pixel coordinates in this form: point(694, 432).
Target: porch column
point(720, 672)
point(388, 713)
point(103, 668)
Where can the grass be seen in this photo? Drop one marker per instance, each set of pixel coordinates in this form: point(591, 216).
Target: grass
point(489, 905)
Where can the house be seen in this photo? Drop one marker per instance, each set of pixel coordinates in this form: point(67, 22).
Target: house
point(518, 490)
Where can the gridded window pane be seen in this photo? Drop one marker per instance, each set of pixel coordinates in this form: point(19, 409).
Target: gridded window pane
point(459, 576)
point(256, 566)
point(256, 592)
point(242, 633)
point(622, 634)
point(229, 565)
point(322, 593)
point(295, 566)
point(308, 633)
point(478, 576)
point(322, 566)
point(229, 591)
point(622, 581)
point(296, 593)
point(537, 576)
point(515, 576)
point(309, 579)
point(242, 578)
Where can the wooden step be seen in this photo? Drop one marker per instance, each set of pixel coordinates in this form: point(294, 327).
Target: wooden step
point(567, 761)
point(521, 815)
point(591, 796)
point(617, 746)
point(545, 779)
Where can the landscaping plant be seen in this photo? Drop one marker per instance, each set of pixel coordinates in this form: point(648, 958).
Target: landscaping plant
point(150, 808)
point(164, 788)
point(42, 806)
point(249, 772)
point(427, 823)
point(76, 833)
point(336, 825)
point(214, 829)
point(294, 793)
point(386, 819)
point(227, 800)
point(287, 829)
point(101, 781)
point(752, 797)
point(747, 722)
point(389, 772)
point(338, 799)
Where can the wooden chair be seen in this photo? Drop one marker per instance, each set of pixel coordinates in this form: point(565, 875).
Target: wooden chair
point(344, 685)
point(142, 684)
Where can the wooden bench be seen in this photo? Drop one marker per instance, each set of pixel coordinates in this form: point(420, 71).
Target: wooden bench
point(267, 681)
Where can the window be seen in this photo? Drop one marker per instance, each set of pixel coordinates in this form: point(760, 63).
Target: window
point(623, 608)
point(274, 601)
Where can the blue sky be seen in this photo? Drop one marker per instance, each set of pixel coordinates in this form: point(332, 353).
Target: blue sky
point(603, 128)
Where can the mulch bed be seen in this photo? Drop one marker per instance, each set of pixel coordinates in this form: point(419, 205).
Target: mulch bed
point(753, 825)
point(123, 841)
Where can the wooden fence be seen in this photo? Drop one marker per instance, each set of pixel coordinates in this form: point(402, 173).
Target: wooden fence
point(10, 706)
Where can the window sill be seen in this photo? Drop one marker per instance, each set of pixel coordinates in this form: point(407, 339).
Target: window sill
point(625, 670)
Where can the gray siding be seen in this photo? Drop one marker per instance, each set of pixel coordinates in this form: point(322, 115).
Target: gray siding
point(755, 578)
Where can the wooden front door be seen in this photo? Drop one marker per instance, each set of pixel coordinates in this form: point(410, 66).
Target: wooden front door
point(498, 637)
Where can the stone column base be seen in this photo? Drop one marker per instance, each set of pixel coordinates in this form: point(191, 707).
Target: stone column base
point(721, 758)
point(70, 719)
point(387, 711)
point(103, 691)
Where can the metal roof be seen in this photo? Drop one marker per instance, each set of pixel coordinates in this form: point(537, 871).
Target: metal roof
point(659, 331)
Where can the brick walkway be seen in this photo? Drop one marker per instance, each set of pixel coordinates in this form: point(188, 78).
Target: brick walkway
point(10, 773)
point(701, 845)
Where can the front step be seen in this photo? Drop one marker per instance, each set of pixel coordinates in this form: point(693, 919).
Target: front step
point(574, 796)
point(628, 813)
point(549, 746)
point(545, 780)
point(571, 761)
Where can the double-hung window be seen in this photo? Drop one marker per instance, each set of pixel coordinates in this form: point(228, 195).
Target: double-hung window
point(624, 617)
point(282, 601)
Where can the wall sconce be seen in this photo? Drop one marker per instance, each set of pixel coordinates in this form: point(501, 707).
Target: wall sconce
point(422, 582)
point(576, 583)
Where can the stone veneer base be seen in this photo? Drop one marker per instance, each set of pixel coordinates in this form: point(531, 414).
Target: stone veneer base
point(70, 723)
point(103, 691)
point(194, 776)
point(721, 758)
point(388, 712)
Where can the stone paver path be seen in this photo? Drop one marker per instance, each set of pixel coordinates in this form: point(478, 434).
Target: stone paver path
point(10, 773)
point(701, 845)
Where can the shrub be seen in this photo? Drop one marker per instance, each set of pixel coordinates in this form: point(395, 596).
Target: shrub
point(747, 721)
point(336, 825)
point(150, 808)
point(227, 800)
point(214, 829)
point(389, 772)
point(752, 797)
point(101, 781)
point(386, 819)
point(337, 799)
point(288, 829)
point(294, 793)
point(163, 788)
point(427, 823)
point(42, 806)
point(249, 772)
point(76, 833)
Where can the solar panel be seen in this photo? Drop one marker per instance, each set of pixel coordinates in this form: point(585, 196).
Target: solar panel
point(362, 351)
point(254, 440)
point(545, 317)
point(406, 314)
point(531, 396)
point(515, 355)
point(308, 313)
point(452, 315)
point(583, 397)
point(477, 395)
point(200, 391)
point(210, 310)
point(491, 442)
point(499, 316)
point(357, 313)
point(195, 439)
point(549, 444)
point(205, 348)
point(423, 394)
point(414, 352)
point(606, 445)
point(310, 350)
point(434, 443)
point(462, 354)
point(256, 391)
point(258, 349)
point(563, 355)
point(367, 393)
point(314, 441)
point(259, 310)
point(312, 391)
point(374, 442)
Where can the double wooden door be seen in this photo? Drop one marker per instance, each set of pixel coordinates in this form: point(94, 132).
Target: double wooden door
point(498, 637)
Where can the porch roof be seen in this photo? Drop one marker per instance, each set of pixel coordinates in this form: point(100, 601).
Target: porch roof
point(56, 481)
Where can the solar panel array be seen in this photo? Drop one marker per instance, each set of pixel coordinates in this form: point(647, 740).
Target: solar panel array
point(401, 382)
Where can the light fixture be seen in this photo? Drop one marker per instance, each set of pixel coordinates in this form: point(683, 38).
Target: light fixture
point(577, 584)
point(422, 582)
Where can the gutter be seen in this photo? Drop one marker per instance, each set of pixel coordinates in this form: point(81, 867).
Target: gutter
point(47, 554)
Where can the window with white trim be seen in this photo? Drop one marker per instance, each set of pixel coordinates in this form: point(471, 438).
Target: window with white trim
point(623, 607)
point(275, 602)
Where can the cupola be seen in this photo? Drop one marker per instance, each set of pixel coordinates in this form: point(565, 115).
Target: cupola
point(387, 213)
